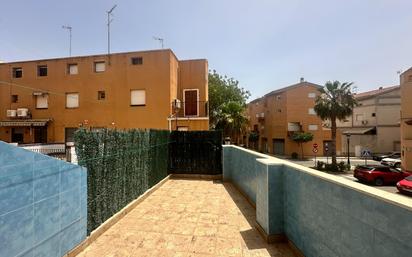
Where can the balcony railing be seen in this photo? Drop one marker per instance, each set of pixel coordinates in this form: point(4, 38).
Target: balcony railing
point(48, 149)
point(191, 109)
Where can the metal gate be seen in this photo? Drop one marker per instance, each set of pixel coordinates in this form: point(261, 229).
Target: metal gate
point(195, 152)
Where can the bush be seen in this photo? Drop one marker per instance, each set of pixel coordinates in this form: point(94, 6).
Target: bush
point(295, 155)
point(342, 167)
point(331, 167)
point(320, 165)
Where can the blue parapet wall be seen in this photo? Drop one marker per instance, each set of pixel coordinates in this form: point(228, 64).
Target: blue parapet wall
point(321, 214)
point(43, 204)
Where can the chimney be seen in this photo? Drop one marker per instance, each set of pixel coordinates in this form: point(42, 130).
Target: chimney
point(380, 88)
point(302, 79)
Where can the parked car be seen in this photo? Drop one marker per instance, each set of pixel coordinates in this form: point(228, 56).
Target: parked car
point(394, 155)
point(405, 186)
point(379, 175)
point(391, 162)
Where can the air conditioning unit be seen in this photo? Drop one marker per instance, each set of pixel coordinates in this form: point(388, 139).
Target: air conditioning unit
point(22, 112)
point(364, 122)
point(11, 113)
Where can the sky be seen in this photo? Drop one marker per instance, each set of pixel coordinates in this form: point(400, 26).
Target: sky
point(264, 44)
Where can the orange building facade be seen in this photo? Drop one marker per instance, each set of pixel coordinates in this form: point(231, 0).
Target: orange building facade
point(45, 101)
point(280, 113)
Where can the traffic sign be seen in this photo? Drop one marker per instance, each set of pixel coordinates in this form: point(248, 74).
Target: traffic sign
point(366, 153)
point(315, 145)
point(315, 150)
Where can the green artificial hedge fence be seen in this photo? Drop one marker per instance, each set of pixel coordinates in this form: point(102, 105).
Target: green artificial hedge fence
point(121, 165)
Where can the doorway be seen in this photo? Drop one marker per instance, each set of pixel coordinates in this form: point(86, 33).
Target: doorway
point(278, 146)
point(17, 135)
point(40, 135)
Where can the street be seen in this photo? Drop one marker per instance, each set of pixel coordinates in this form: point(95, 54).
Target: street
point(310, 162)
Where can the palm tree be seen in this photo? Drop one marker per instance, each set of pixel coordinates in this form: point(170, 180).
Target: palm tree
point(336, 102)
point(232, 119)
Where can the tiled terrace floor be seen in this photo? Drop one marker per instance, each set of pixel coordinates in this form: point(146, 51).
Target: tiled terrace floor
point(187, 218)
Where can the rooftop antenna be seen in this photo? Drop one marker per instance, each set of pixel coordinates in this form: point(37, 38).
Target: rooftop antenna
point(109, 20)
point(161, 40)
point(69, 28)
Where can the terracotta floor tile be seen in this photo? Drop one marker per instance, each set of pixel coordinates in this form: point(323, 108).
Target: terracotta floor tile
point(187, 218)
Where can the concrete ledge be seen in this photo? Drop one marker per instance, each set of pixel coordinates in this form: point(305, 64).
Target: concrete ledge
point(197, 176)
point(114, 219)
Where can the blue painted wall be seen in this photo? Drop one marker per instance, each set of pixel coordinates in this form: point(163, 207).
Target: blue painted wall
point(43, 204)
point(322, 217)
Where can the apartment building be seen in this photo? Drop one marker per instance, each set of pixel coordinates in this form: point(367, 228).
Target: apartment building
point(47, 100)
point(375, 123)
point(280, 113)
point(406, 119)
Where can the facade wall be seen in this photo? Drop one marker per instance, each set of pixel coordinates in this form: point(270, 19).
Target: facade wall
point(406, 115)
point(381, 111)
point(159, 76)
point(43, 204)
point(289, 106)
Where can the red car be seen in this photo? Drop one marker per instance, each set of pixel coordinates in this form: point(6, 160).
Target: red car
point(405, 186)
point(379, 175)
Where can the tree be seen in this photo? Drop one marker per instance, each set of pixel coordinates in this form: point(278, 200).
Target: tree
point(336, 102)
point(300, 138)
point(227, 104)
point(222, 90)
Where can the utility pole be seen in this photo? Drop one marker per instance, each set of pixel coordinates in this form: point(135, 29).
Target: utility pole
point(69, 28)
point(109, 20)
point(161, 40)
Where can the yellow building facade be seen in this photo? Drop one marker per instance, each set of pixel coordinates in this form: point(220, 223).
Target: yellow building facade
point(406, 119)
point(280, 113)
point(46, 100)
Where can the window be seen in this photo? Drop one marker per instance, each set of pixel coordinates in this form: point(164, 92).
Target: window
point(14, 98)
point(17, 72)
point(278, 97)
point(72, 100)
point(313, 127)
point(279, 110)
point(99, 66)
point(137, 60)
point(311, 111)
point(373, 114)
point(410, 78)
point(101, 95)
point(312, 95)
point(42, 70)
point(138, 97)
point(72, 69)
point(42, 101)
point(359, 117)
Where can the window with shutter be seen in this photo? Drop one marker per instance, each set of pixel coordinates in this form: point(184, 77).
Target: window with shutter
point(42, 101)
point(191, 102)
point(137, 97)
point(99, 66)
point(72, 69)
point(72, 100)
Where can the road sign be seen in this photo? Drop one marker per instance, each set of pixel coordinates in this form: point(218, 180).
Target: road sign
point(315, 150)
point(315, 145)
point(366, 153)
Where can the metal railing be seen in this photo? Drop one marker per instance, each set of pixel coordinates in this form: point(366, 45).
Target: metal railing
point(48, 149)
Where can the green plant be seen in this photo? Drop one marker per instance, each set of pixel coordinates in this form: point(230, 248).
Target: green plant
point(302, 137)
point(336, 102)
point(342, 167)
point(294, 155)
point(331, 167)
point(253, 136)
point(320, 165)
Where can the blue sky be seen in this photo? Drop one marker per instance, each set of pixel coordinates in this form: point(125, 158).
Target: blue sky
point(265, 44)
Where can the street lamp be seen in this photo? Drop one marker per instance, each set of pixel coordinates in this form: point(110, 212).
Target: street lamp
point(348, 143)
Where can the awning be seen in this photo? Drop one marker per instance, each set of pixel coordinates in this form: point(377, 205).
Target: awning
point(24, 123)
point(360, 131)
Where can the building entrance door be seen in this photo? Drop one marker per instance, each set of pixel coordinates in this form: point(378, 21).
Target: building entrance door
point(278, 146)
point(40, 135)
point(17, 135)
